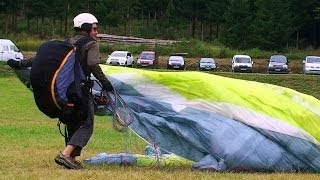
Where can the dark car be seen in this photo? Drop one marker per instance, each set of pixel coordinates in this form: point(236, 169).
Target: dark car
point(147, 59)
point(278, 64)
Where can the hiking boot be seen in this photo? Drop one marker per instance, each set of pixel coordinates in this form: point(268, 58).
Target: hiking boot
point(79, 164)
point(67, 162)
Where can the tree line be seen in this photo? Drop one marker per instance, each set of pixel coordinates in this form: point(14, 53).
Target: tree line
point(241, 24)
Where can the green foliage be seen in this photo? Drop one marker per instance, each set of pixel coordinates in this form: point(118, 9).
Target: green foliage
point(25, 42)
point(5, 70)
point(134, 49)
point(106, 48)
point(237, 26)
point(293, 54)
point(29, 44)
point(223, 53)
point(259, 54)
point(272, 25)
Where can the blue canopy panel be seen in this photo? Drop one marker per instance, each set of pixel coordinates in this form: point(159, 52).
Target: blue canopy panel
point(219, 143)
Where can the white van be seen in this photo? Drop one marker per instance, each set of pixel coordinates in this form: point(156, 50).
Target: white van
point(241, 63)
point(9, 51)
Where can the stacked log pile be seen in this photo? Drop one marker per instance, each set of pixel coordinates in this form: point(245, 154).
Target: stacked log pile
point(133, 40)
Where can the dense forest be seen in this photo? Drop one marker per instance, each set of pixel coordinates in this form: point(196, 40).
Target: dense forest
point(241, 24)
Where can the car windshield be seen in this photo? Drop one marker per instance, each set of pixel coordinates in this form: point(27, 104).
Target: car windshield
point(14, 48)
point(149, 56)
point(119, 54)
point(278, 59)
point(242, 60)
point(206, 60)
point(313, 60)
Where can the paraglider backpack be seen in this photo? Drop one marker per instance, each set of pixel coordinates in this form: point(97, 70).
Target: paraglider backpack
point(57, 78)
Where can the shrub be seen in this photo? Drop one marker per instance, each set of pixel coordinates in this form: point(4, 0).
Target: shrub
point(223, 53)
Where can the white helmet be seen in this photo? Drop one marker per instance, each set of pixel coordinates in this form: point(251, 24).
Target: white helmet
point(84, 18)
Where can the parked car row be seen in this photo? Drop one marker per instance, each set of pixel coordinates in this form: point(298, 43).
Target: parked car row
point(145, 59)
point(240, 63)
point(276, 64)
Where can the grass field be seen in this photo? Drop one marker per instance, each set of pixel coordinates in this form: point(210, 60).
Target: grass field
point(29, 140)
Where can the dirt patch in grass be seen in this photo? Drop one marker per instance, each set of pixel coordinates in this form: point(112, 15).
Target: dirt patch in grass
point(28, 54)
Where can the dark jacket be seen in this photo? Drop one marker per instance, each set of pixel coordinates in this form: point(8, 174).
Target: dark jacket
point(90, 55)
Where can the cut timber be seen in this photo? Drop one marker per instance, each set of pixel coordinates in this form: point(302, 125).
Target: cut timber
point(133, 40)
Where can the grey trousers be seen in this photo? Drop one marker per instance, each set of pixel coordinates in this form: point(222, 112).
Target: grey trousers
point(80, 129)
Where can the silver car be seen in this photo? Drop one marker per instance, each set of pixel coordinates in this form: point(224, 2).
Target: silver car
point(207, 64)
point(311, 65)
point(176, 62)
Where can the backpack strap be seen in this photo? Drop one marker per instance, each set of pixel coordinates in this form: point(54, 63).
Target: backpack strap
point(79, 45)
point(80, 68)
point(79, 74)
